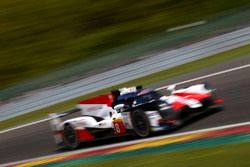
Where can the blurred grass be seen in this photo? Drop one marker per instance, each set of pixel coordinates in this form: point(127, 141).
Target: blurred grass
point(150, 45)
point(39, 36)
point(146, 81)
point(229, 155)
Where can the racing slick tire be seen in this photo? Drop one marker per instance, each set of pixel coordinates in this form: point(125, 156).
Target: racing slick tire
point(141, 124)
point(70, 137)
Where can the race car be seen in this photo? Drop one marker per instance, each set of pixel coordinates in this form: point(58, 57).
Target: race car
point(96, 120)
point(132, 110)
point(150, 111)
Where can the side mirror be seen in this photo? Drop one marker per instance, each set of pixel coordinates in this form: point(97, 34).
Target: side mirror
point(119, 108)
point(170, 89)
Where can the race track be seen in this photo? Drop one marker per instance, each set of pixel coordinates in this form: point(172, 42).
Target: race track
point(36, 140)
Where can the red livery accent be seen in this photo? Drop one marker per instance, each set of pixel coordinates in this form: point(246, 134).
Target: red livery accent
point(178, 105)
point(162, 121)
point(102, 99)
point(196, 96)
point(84, 135)
point(218, 101)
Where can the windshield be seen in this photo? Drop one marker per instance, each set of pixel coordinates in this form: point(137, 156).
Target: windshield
point(147, 97)
point(126, 96)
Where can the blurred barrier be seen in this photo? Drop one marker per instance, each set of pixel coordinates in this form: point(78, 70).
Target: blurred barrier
point(148, 45)
point(128, 72)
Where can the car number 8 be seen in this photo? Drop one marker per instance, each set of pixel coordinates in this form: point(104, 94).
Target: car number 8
point(117, 128)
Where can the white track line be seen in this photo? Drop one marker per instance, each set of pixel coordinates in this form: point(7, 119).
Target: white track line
point(206, 76)
point(22, 126)
point(187, 26)
point(131, 142)
point(160, 88)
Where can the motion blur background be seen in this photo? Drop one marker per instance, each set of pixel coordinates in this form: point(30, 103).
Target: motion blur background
point(52, 41)
point(54, 53)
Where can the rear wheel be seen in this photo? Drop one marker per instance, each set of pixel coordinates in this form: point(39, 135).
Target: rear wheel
point(70, 137)
point(140, 123)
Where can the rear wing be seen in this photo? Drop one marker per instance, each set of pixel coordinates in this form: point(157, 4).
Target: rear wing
point(92, 106)
point(97, 106)
point(106, 99)
point(55, 118)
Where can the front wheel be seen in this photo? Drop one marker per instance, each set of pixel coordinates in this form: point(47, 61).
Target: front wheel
point(140, 123)
point(70, 137)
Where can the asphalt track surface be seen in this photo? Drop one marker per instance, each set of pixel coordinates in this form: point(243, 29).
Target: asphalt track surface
point(36, 140)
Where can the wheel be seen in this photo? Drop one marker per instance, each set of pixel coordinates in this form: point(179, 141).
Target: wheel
point(70, 137)
point(180, 116)
point(140, 123)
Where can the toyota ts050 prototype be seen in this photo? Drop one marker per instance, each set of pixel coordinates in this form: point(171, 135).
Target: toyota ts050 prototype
point(132, 110)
